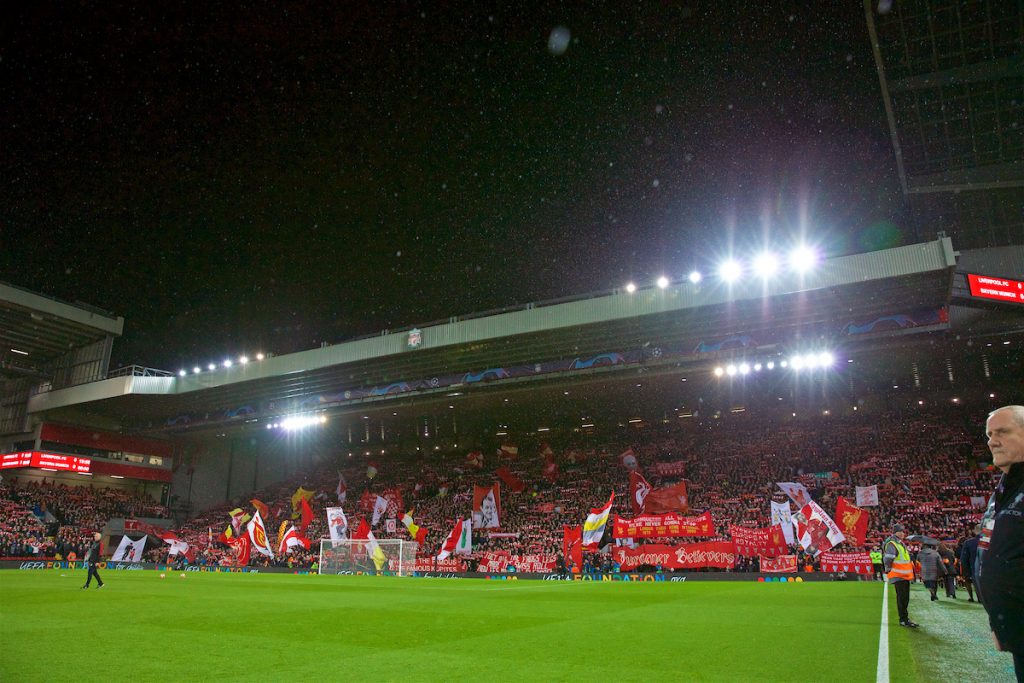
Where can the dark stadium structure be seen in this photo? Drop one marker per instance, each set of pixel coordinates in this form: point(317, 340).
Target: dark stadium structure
point(901, 325)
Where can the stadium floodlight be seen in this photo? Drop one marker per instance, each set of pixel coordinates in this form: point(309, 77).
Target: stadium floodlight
point(259, 356)
point(770, 365)
point(719, 371)
point(243, 359)
point(730, 270)
point(300, 422)
point(784, 364)
point(797, 362)
point(803, 259)
point(757, 367)
point(197, 369)
point(662, 282)
point(695, 276)
point(211, 366)
point(227, 363)
point(766, 264)
point(825, 359)
point(730, 370)
point(744, 368)
point(630, 287)
point(181, 373)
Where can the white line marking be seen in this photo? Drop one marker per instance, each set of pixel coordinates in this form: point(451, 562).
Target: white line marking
point(882, 675)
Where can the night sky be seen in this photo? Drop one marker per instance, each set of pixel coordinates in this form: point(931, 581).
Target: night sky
point(245, 178)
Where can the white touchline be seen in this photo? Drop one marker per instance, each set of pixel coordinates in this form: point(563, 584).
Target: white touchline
point(882, 675)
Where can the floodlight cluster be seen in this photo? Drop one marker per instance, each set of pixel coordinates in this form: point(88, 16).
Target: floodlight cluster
point(766, 265)
point(296, 422)
point(226, 363)
point(819, 360)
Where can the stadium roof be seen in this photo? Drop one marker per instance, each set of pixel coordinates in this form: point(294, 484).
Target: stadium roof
point(36, 330)
point(842, 290)
point(952, 77)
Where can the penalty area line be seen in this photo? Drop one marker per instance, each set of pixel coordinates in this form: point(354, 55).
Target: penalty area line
point(882, 672)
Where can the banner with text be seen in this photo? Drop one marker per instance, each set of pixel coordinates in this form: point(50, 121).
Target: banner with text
point(769, 541)
point(858, 563)
point(500, 560)
point(785, 564)
point(720, 554)
point(670, 524)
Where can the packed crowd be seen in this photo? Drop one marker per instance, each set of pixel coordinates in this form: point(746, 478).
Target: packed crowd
point(46, 519)
point(925, 467)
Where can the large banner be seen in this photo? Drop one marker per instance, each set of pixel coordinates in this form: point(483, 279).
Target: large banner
point(487, 507)
point(796, 491)
point(769, 542)
point(786, 564)
point(867, 496)
point(720, 554)
point(432, 564)
point(782, 516)
point(816, 530)
point(129, 550)
point(852, 520)
point(337, 524)
point(858, 563)
point(500, 560)
point(671, 524)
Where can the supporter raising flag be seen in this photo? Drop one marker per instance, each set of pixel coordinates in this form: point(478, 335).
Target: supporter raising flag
point(291, 539)
point(418, 533)
point(460, 540)
point(487, 507)
point(593, 528)
point(852, 520)
point(867, 496)
point(258, 535)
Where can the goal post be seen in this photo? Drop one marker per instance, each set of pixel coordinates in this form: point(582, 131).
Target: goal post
point(350, 556)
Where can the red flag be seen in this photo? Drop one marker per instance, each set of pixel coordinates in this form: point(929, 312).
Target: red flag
point(242, 546)
point(261, 507)
point(362, 531)
point(852, 520)
point(550, 470)
point(307, 515)
point(512, 481)
point(638, 491)
point(475, 459)
point(508, 451)
point(669, 499)
point(572, 544)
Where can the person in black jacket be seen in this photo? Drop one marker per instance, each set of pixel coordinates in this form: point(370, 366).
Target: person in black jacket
point(1001, 548)
point(92, 558)
point(968, 557)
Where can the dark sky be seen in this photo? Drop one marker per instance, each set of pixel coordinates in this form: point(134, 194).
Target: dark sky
point(233, 179)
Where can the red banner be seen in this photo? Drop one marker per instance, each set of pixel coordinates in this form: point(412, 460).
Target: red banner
point(769, 541)
point(858, 563)
point(516, 484)
point(670, 469)
point(432, 564)
point(572, 545)
point(499, 561)
point(785, 564)
point(671, 524)
point(720, 554)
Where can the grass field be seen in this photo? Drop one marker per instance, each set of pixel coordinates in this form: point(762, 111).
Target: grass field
point(253, 627)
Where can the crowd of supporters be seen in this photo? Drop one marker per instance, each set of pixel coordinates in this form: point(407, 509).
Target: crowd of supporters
point(925, 466)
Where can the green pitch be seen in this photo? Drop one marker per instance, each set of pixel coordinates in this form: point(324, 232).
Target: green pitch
point(253, 627)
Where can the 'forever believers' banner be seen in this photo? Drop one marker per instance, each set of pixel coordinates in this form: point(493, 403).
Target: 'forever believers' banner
point(671, 524)
point(858, 563)
point(769, 541)
point(719, 554)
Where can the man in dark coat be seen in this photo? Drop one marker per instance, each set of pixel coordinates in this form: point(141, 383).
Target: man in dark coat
point(968, 560)
point(92, 558)
point(1001, 548)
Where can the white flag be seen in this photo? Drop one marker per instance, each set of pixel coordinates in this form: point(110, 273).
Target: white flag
point(797, 492)
point(129, 550)
point(867, 496)
point(782, 516)
point(460, 540)
point(379, 508)
point(337, 524)
point(176, 546)
point(816, 530)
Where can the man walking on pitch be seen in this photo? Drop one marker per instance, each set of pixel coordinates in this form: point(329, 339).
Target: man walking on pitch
point(1000, 561)
point(92, 558)
point(900, 571)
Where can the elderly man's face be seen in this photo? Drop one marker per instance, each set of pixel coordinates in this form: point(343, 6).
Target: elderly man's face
point(1005, 439)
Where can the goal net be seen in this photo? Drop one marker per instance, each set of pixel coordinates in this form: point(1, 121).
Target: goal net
point(392, 555)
